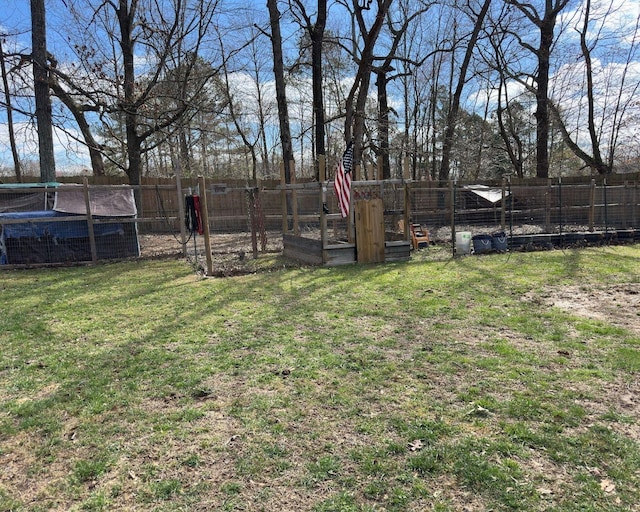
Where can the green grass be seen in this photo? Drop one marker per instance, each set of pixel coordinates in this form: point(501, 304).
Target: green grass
point(425, 385)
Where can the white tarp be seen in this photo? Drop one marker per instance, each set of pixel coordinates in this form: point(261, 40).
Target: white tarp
point(493, 195)
point(103, 202)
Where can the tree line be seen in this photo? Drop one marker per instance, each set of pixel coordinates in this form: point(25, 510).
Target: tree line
point(459, 89)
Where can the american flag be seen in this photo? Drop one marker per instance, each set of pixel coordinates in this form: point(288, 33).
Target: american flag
point(342, 181)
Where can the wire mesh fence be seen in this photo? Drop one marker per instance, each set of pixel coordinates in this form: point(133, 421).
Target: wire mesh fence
point(65, 223)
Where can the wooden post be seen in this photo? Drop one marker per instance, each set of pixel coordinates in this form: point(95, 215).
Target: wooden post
point(205, 224)
point(251, 203)
point(407, 211)
point(547, 218)
point(592, 205)
point(351, 227)
point(625, 217)
point(406, 168)
point(181, 220)
point(294, 199)
point(322, 175)
point(452, 199)
point(283, 199)
point(634, 202)
point(92, 236)
point(503, 213)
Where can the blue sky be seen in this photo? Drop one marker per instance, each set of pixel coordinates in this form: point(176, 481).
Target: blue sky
point(15, 25)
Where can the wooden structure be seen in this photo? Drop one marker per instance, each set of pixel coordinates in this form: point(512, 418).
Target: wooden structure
point(363, 237)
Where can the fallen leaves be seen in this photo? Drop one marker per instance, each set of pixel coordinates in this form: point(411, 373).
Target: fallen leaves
point(607, 486)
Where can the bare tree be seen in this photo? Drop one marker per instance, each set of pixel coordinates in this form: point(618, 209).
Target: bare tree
point(386, 72)
point(545, 22)
point(281, 93)
point(357, 98)
point(78, 111)
point(8, 104)
point(127, 96)
point(603, 133)
point(452, 114)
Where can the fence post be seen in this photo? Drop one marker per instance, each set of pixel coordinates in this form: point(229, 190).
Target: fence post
point(634, 210)
point(592, 205)
point(606, 206)
point(294, 199)
point(452, 198)
point(181, 223)
point(322, 175)
point(560, 207)
point(503, 213)
point(510, 214)
point(625, 217)
point(205, 224)
point(547, 216)
point(92, 236)
point(407, 211)
point(283, 196)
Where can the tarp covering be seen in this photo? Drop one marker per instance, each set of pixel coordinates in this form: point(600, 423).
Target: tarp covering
point(103, 202)
point(43, 237)
point(493, 195)
point(22, 202)
point(56, 229)
point(22, 197)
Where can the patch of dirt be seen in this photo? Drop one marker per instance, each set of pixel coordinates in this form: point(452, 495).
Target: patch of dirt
point(154, 245)
point(231, 253)
point(618, 305)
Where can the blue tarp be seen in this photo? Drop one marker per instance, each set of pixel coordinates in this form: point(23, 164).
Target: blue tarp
point(55, 229)
point(55, 241)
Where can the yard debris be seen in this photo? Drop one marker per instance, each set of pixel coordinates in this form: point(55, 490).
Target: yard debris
point(607, 486)
point(480, 411)
point(416, 445)
point(542, 491)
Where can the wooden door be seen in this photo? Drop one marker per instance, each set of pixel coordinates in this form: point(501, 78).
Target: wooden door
point(369, 215)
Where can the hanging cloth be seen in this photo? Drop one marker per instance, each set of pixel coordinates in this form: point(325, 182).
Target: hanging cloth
point(193, 214)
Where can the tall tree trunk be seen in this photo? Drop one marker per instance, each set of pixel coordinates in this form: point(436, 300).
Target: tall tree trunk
point(383, 124)
point(7, 99)
point(542, 98)
point(134, 153)
point(44, 118)
point(317, 38)
point(281, 95)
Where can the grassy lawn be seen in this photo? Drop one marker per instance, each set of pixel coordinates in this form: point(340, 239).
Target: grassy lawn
point(501, 382)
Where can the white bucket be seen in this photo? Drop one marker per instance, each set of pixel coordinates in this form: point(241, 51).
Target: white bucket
point(463, 242)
